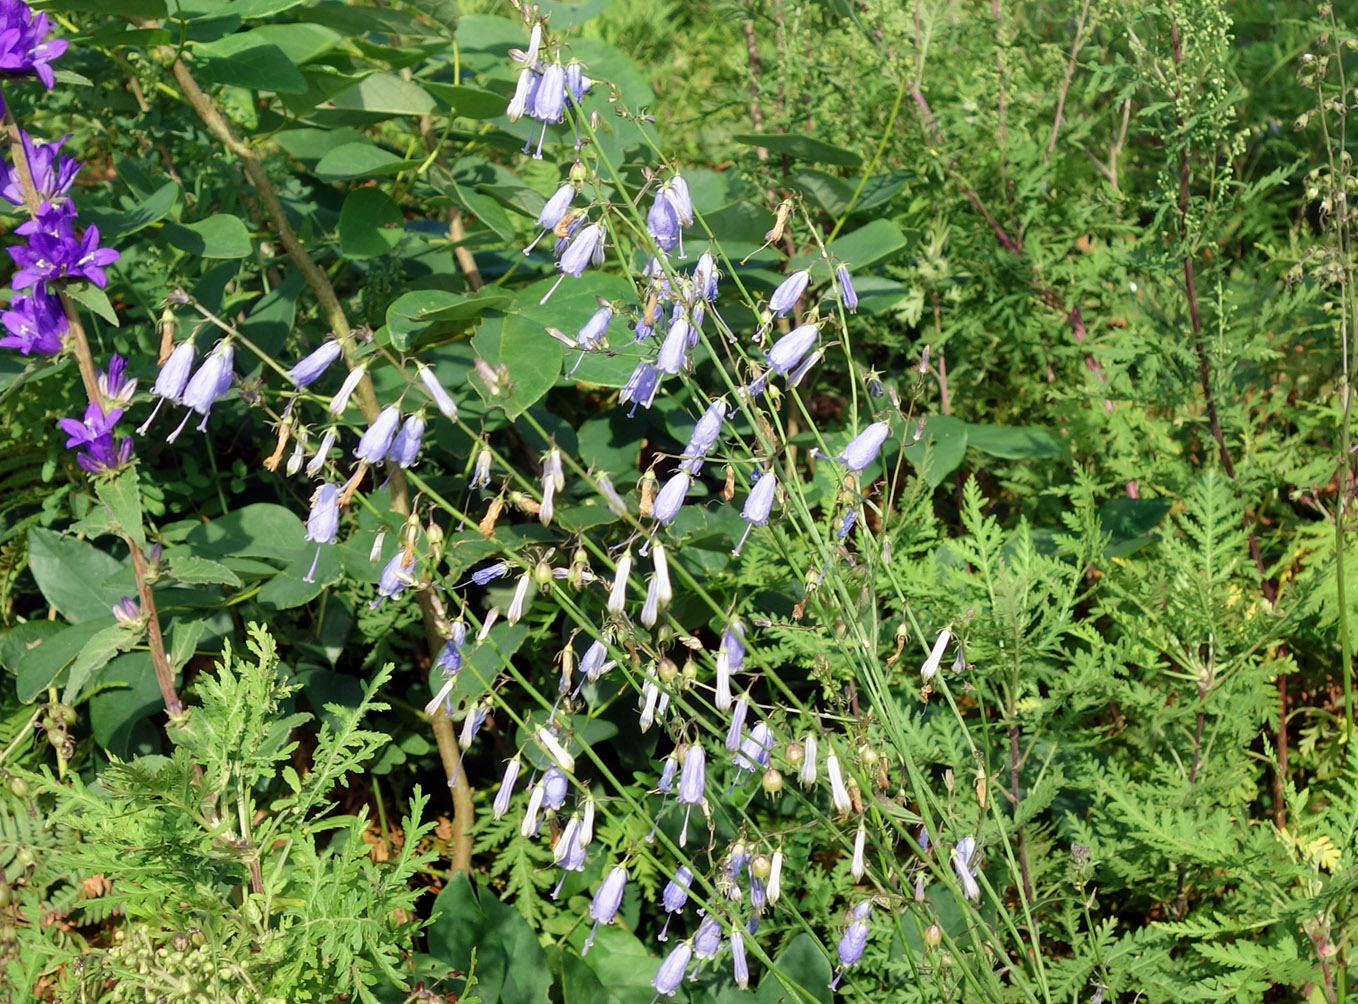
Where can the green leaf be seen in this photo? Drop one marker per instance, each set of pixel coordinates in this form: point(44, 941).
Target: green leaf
point(313, 144)
point(42, 665)
point(830, 193)
point(108, 8)
point(800, 973)
point(370, 224)
point(289, 587)
point(458, 930)
point(219, 236)
point(270, 320)
point(484, 208)
point(150, 209)
point(414, 312)
point(528, 977)
point(469, 102)
point(1131, 523)
point(243, 9)
point(300, 41)
point(246, 60)
point(122, 495)
point(15, 643)
point(261, 530)
point(360, 160)
point(94, 299)
point(940, 450)
point(802, 148)
point(530, 356)
point(102, 646)
point(385, 95)
point(184, 640)
point(1013, 442)
point(444, 13)
point(196, 570)
point(128, 693)
point(869, 244)
point(73, 576)
point(622, 964)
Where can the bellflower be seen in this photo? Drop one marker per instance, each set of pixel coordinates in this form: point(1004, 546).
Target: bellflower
point(553, 212)
point(577, 84)
point(581, 250)
point(704, 437)
point(788, 351)
point(846, 289)
point(506, 792)
point(484, 576)
point(692, 784)
point(607, 901)
point(862, 449)
point(856, 864)
point(592, 336)
point(930, 668)
point(851, 946)
point(670, 498)
point(839, 794)
point(675, 897)
point(807, 774)
point(376, 440)
point(572, 847)
point(617, 595)
point(518, 104)
point(707, 942)
point(674, 349)
point(317, 462)
point(640, 387)
point(24, 45)
point(595, 662)
point(341, 399)
point(737, 725)
point(754, 750)
point(395, 577)
point(757, 506)
point(789, 291)
point(322, 523)
point(730, 658)
point(206, 386)
point(405, 445)
point(677, 195)
point(775, 885)
point(705, 277)
point(554, 787)
point(35, 322)
point(442, 401)
point(113, 384)
point(451, 656)
point(962, 856)
point(520, 598)
point(740, 968)
point(481, 467)
point(662, 223)
point(471, 724)
point(309, 370)
point(671, 971)
point(549, 101)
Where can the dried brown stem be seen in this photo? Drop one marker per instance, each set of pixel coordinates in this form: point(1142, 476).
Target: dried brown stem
point(333, 311)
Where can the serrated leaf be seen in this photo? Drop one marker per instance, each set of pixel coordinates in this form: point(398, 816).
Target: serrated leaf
point(95, 299)
point(122, 495)
point(102, 646)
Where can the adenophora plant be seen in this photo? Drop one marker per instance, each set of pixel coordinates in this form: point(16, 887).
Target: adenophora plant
point(42, 317)
point(632, 624)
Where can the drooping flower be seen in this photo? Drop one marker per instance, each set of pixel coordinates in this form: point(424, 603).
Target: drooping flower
point(862, 449)
point(662, 223)
point(322, 523)
point(375, 442)
point(857, 865)
point(405, 445)
point(641, 387)
point(757, 506)
point(962, 856)
point(730, 658)
point(707, 942)
point(550, 98)
point(740, 968)
point(775, 883)
point(674, 897)
point(670, 499)
point(851, 945)
point(930, 668)
point(737, 726)
point(317, 462)
point(581, 251)
point(518, 104)
point(704, 437)
point(577, 83)
point(674, 349)
point(789, 350)
point(839, 795)
point(483, 576)
point(754, 750)
point(554, 787)
point(807, 774)
point(846, 290)
point(395, 578)
point(309, 369)
point(606, 902)
point(341, 399)
point(692, 785)
point(617, 594)
point(35, 322)
point(789, 291)
point(671, 971)
point(207, 386)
